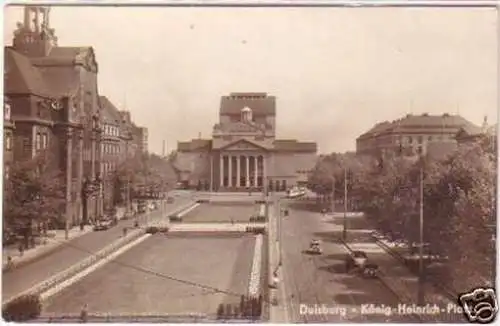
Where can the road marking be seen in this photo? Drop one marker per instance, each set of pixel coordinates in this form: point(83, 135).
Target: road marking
point(61, 286)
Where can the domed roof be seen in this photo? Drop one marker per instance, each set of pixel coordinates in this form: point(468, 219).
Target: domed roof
point(246, 109)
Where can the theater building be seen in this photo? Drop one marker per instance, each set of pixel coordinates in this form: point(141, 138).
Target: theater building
point(243, 152)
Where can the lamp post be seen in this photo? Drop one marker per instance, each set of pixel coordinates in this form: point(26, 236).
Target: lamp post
point(421, 267)
point(344, 228)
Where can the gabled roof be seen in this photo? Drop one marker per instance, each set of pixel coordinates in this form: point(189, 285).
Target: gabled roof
point(110, 112)
point(419, 124)
point(243, 141)
point(63, 81)
point(21, 77)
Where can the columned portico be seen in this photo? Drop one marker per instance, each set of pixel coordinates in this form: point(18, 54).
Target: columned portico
point(248, 169)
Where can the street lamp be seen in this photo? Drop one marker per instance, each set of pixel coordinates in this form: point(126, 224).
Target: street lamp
point(421, 267)
point(344, 228)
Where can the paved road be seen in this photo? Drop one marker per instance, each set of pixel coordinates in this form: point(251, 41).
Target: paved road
point(322, 281)
point(149, 277)
point(70, 253)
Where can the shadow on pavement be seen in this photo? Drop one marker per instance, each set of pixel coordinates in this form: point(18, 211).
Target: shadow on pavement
point(336, 236)
point(353, 222)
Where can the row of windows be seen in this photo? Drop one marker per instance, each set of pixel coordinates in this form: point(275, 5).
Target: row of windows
point(304, 171)
point(111, 130)
point(420, 139)
point(110, 148)
point(108, 167)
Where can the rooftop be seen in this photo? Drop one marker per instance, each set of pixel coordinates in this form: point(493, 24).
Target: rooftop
point(419, 123)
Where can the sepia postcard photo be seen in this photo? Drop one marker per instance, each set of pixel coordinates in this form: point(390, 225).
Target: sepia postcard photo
point(250, 162)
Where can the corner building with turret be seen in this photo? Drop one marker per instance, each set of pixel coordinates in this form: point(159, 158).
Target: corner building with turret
point(243, 153)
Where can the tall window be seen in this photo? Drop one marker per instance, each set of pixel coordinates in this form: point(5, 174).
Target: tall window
point(6, 111)
point(38, 141)
point(8, 142)
point(420, 139)
point(45, 141)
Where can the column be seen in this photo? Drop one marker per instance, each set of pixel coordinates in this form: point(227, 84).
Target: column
point(230, 168)
point(255, 170)
point(238, 171)
point(69, 177)
point(80, 176)
point(221, 169)
point(247, 163)
point(92, 200)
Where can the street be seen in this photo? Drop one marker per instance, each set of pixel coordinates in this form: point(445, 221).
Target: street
point(165, 274)
point(321, 280)
point(68, 254)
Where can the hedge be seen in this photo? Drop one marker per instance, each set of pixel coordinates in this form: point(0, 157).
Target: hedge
point(23, 308)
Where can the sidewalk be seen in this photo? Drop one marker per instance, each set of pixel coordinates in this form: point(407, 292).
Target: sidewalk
point(277, 313)
point(46, 247)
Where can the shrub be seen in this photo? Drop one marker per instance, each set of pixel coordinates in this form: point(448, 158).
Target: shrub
point(152, 229)
point(23, 308)
point(175, 218)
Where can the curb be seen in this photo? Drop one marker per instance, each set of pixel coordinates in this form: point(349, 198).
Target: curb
point(73, 270)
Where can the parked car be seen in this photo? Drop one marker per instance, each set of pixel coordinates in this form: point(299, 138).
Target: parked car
point(170, 200)
point(356, 259)
point(315, 247)
point(101, 226)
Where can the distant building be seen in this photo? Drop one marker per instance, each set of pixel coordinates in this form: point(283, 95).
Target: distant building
point(434, 135)
point(52, 93)
point(469, 134)
point(112, 150)
point(141, 139)
point(243, 152)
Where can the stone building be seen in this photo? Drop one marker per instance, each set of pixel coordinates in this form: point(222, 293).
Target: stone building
point(243, 152)
point(52, 91)
point(112, 150)
point(8, 138)
point(434, 135)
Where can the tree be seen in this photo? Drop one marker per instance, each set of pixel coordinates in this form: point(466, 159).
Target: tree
point(460, 211)
point(34, 194)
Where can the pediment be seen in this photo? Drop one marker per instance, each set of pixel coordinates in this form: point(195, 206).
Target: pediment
point(243, 145)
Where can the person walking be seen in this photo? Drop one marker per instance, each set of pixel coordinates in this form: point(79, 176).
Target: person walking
point(84, 314)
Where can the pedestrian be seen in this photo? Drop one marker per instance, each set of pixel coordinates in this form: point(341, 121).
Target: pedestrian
point(21, 249)
point(124, 231)
point(82, 226)
point(10, 262)
point(84, 314)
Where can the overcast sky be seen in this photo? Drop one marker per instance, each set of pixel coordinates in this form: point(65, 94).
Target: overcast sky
point(335, 71)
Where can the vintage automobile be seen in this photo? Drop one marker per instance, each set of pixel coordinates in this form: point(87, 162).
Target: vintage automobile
point(102, 225)
point(357, 260)
point(315, 247)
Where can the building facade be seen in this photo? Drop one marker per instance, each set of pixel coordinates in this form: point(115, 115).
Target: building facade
point(112, 150)
point(243, 152)
point(434, 135)
point(52, 92)
point(8, 138)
